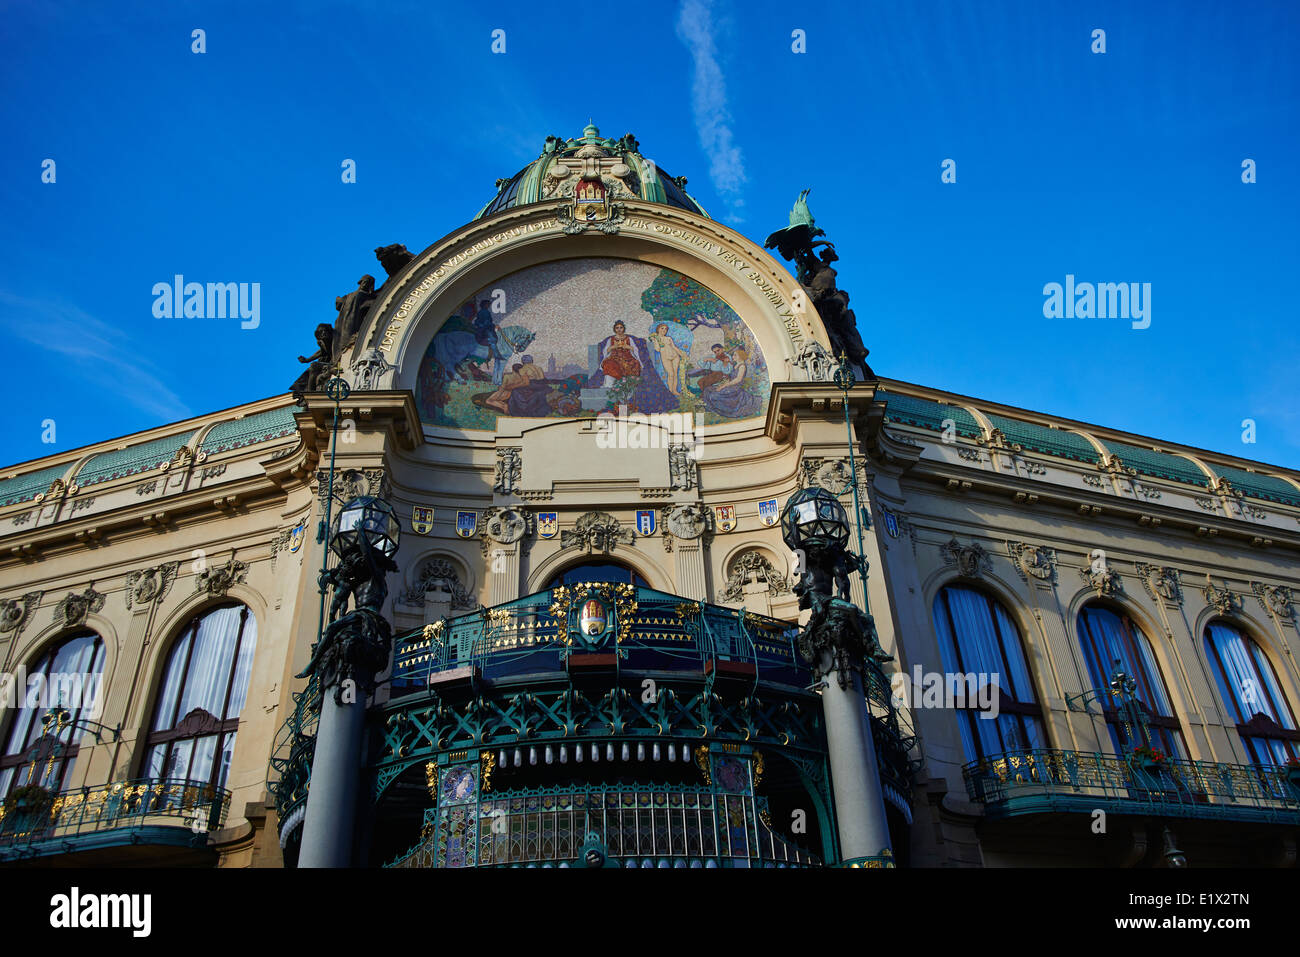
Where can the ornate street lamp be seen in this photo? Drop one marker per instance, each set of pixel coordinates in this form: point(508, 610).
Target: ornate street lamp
point(836, 640)
point(352, 650)
point(370, 517)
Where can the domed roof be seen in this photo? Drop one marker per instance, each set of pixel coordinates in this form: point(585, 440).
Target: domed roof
point(554, 174)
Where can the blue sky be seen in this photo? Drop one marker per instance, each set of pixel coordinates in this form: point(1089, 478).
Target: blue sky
point(225, 166)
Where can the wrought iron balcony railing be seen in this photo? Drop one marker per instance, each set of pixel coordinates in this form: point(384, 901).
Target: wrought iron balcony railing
point(64, 816)
point(639, 827)
point(1038, 781)
point(642, 629)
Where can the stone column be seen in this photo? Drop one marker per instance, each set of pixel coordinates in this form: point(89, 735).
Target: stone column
point(335, 775)
point(855, 778)
point(690, 569)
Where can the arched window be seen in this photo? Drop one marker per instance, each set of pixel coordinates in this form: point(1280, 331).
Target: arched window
point(596, 572)
point(979, 641)
point(1249, 686)
point(202, 693)
point(1112, 640)
point(68, 675)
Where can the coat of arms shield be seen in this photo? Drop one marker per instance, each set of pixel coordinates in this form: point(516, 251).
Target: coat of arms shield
point(422, 519)
point(466, 523)
point(547, 524)
point(768, 513)
point(645, 521)
point(726, 515)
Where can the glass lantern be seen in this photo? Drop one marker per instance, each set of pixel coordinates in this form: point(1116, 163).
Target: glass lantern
point(369, 516)
point(814, 518)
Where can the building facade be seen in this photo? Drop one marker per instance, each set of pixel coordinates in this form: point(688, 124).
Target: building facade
point(588, 407)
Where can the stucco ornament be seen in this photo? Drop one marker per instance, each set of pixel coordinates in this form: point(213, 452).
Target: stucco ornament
point(688, 521)
point(1033, 561)
point(15, 613)
point(1221, 598)
point(1161, 582)
point(508, 525)
point(438, 575)
point(971, 560)
point(753, 566)
point(150, 584)
point(1104, 579)
point(509, 468)
point(217, 580)
point(74, 607)
point(597, 532)
point(1277, 599)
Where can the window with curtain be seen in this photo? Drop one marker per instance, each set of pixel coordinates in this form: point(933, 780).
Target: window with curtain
point(1250, 689)
point(977, 636)
point(38, 754)
point(1111, 640)
point(202, 693)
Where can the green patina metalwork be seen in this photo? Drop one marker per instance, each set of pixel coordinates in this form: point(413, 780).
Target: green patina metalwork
point(515, 676)
point(250, 430)
point(928, 414)
point(24, 488)
point(170, 811)
point(131, 460)
point(1256, 485)
point(1040, 781)
point(1040, 438)
point(1158, 464)
point(647, 180)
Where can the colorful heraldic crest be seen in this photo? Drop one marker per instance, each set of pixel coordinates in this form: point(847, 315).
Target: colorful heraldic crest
point(591, 204)
point(466, 523)
point(890, 521)
point(422, 519)
point(581, 337)
point(645, 521)
point(726, 515)
point(769, 513)
point(593, 619)
point(547, 524)
point(296, 535)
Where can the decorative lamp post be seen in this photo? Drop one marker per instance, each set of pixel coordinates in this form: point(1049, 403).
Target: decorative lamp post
point(353, 649)
point(836, 641)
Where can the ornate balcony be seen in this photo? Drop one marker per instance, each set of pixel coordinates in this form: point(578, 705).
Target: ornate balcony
point(1046, 781)
point(172, 817)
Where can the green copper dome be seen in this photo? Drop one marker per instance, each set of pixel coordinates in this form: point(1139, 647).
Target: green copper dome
point(565, 161)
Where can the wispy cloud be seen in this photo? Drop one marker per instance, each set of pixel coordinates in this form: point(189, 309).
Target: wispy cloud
point(696, 29)
point(94, 350)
